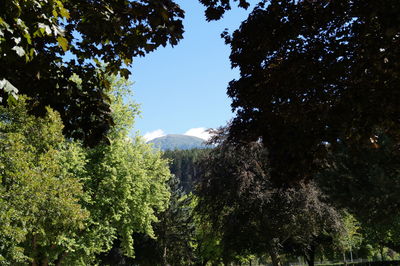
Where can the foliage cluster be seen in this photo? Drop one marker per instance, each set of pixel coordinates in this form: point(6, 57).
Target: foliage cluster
point(315, 72)
point(318, 88)
point(64, 203)
point(46, 46)
point(184, 164)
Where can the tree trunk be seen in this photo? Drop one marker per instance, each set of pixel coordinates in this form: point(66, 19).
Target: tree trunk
point(165, 256)
point(60, 258)
point(34, 252)
point(310, 256)
point(351, 255)
point(45, 261)
point(276, 261)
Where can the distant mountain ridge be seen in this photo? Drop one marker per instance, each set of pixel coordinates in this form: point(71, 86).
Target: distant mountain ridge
point(178, 142)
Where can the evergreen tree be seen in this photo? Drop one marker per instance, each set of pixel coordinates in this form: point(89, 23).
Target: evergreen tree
point(184, 165)
point(174, 233)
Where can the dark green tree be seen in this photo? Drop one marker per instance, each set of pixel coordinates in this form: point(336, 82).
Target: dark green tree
point(175, 230)
point(315, 72)
point(365, 180)
point(319, 86)
point(184, 165)
point(174, 233)
point(51, 51)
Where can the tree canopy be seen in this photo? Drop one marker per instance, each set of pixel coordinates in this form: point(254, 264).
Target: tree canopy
point(318, 87)
point(65, 203)
point(312, 73)
point(365, 181)
point(308, 167)
point(184, 165)
point(41, 192)
point(255, 216)
point(51, 51)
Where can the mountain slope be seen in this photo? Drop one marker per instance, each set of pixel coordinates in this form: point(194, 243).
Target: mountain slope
point(178, 142)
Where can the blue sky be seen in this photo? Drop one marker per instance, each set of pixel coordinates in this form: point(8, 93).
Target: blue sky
point(183, 89)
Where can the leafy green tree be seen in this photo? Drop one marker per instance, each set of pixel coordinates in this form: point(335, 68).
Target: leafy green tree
point(41, 188)
point(44, 45)
point(207, 242)
point(172, 242)
point(351, 238)
point(127, 184)
point(64, 204)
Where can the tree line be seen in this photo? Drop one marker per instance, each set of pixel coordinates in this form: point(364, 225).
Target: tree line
point(309, 165)
point(235, 213)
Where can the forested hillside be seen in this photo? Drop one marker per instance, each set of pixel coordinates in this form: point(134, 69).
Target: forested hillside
point(178, 142)
point(184, 165)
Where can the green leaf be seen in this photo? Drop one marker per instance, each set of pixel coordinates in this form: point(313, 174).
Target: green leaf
point(63, 43)
point(11, 100)
point(97, 61)
point(127, 61)
point(19, 50)
point(125, 73)
point(31, 52)
point(9, 88)
point(64, 12)
point(27, 36)
point(55, 14)
point(44, 28)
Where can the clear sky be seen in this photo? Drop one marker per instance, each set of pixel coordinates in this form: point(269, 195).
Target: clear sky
point(184, 88)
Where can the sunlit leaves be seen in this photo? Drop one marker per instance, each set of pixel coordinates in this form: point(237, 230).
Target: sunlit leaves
point(70, 201)
point(126, 181)
point(111, 33)
point(40, 195)
point(19, 50)
point(63, 43)
point(9, 89)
